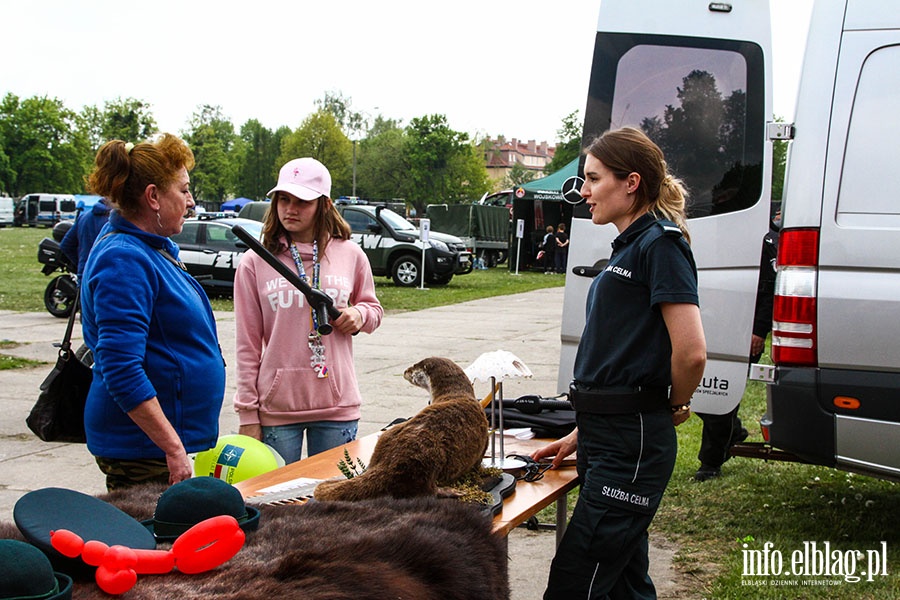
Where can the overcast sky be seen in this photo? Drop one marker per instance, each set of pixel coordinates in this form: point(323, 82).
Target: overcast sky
point(493, 68)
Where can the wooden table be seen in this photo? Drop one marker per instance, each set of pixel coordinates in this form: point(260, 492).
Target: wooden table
point(526, 501)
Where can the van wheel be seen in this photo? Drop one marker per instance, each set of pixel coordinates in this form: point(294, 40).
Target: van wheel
point(406, 271)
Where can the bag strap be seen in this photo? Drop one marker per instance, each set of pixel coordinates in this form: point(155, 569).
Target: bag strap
point(66, 346)
point(171, 259)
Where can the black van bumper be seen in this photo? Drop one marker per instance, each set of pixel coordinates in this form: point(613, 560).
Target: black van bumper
point(803, 403)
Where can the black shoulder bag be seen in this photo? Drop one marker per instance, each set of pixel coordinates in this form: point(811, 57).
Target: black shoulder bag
point(58, 414)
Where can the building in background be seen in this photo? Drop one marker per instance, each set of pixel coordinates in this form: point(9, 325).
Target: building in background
point(502, 155)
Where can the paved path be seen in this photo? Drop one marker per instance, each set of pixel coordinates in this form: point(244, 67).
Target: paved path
point(525, 324)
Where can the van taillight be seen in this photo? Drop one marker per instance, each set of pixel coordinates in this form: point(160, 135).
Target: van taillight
point(794, 310)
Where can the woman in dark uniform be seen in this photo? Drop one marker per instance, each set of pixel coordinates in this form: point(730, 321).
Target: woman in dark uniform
point(641, 357)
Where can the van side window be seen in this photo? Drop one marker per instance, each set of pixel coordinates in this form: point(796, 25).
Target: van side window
point(870, 182)
point(691, 97)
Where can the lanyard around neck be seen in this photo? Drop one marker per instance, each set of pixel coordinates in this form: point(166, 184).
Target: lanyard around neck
point(295, 254)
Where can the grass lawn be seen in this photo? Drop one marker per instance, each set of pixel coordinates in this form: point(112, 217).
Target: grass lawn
point(22, 283)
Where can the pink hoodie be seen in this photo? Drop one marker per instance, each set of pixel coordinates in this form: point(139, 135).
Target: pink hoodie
point(276, 384)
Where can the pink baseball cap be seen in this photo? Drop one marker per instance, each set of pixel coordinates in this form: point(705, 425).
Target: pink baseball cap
point(305, 178)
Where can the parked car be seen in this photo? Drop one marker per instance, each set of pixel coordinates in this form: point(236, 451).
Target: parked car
point(211, 251)
point(255, 210)
point(394, 248)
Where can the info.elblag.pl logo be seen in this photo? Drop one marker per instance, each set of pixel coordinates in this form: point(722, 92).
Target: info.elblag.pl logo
point(813, 564)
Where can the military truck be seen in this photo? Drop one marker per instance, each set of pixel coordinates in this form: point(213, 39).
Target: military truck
point(483, 229)
point(395, 250)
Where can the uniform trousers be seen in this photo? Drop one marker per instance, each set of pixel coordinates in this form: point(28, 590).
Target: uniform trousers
point(625, 463)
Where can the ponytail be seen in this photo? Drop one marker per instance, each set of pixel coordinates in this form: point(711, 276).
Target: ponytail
point(670, 203)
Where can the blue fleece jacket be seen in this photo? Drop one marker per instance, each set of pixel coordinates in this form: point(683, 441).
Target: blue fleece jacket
point(77, 242)
point(152, 332)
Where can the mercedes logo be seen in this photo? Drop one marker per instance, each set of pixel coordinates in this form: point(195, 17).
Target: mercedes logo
point(571, 189)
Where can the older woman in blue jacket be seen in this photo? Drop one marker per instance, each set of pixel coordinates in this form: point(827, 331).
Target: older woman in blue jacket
point(159, 375)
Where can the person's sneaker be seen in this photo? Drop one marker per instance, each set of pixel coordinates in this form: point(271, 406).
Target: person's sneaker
point(706, 472)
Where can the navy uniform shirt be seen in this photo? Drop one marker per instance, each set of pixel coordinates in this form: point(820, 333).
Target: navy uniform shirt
point(625, 341)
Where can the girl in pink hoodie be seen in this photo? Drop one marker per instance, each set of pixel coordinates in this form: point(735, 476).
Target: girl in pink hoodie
point(290, 379)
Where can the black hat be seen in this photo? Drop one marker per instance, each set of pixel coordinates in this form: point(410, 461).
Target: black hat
point(26, 572)
point(193, 500)
point(39, 512)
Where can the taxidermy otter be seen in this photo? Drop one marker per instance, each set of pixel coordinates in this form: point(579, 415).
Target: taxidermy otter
point(422, 456)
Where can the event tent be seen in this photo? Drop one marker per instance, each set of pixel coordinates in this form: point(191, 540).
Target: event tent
point(235, 205)
point(84, 201)
point(547, 188)
point(540, 203)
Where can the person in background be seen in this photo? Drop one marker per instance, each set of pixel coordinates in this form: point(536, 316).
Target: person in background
point(159, 375)
point(292, 380)
point(640, 359)
point(562, 248)
point(79, 239)
point(548, 247)
point(721, 432)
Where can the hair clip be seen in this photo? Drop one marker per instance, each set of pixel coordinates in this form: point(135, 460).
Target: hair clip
point(129, 147)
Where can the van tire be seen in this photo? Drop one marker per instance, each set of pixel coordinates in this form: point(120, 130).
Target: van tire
point(407, 271)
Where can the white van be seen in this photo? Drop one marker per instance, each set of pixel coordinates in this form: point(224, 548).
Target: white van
point(45, 209)
point(696, 76)
point(7, 211)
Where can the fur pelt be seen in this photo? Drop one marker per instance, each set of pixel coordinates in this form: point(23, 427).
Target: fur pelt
point(413, 549)
point(420, 457)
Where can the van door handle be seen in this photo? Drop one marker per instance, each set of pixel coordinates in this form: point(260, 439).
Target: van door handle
point(591, 271)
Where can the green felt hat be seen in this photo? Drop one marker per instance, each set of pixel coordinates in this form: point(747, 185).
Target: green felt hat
point(26, 573)
point(194, 500)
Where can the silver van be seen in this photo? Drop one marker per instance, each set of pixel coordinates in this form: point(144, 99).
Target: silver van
point(696, 77)
point(834, 394)
point(7, 211)
point(45, 209)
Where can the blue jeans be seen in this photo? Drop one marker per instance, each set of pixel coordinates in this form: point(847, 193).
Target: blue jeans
point(320, 436)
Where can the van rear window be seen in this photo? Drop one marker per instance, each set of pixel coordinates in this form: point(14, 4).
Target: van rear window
point(697, 99)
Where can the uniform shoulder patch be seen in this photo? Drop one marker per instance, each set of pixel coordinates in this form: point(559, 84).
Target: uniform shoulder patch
point(669, 228)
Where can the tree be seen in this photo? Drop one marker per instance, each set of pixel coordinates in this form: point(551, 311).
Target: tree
point(320, 137)
point(255, 155)
point(128, 119)
point(211, 137)
point(569, 146)
point(518, 174)
point(381, 168)
point(46, 150)
point(430, 151)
